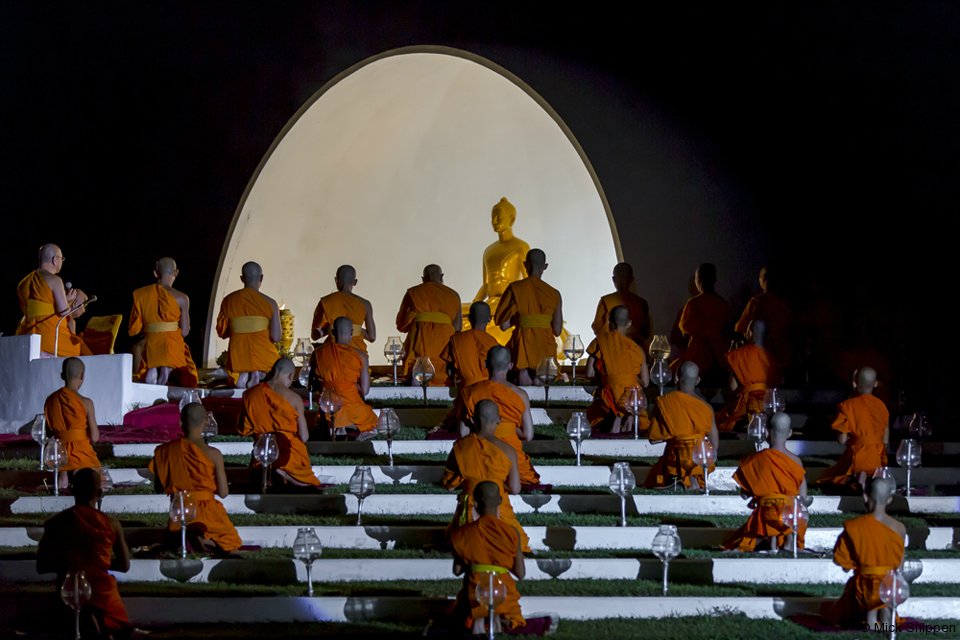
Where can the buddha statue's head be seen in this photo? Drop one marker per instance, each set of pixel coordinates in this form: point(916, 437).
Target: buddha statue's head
point(503, 215)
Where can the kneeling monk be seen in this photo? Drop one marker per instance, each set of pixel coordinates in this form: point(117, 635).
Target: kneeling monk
point(753, 370)
point(772, 478)
point(429, 314)
point(343, 369)
point(619, 363)
point(251, 320)
point(270, 407)
point(190, 464)
point(72, 420)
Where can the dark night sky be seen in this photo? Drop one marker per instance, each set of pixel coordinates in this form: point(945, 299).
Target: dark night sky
point(130, 130)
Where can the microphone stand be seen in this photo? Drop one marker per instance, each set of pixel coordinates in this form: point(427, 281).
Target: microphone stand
point(70, 312)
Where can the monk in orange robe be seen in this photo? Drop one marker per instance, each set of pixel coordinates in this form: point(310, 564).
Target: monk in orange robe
point(271, 407)
point(753, 370)
point(160, 317)
point(82, 538)
point(479, 456)
point(704, 323)
point(640, 320)
point(871, 546)
point(72, 420)
point(190, 464)
point(488, 545)
point(681, 419)
point(430, 314)
point(775, 313)
point(466, 352)
point(536, 310)
point(516, 422)
point(251, 321)
point(619, 363)
point(343, 369)
point(771, 479)
point(44, 301)
point(344, 302)
point(863, 424)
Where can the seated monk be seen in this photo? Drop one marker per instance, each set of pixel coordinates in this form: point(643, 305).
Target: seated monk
point(72, 420)
point(770, 479)
point(270, 407)
point(516, 422)
point(160, 318)
point(82, 538)
point(870, 545)
point(703, 324)
point(619, 363)
point(344, 302)
point(640, 320)
point(536, 310)
point(480, 456)
point(863, 422)
point(753, 370)
point(430, 315)
point(681, 419)
point(775, 313)
point(251, 321)
point(190, 464)
point(44, 301)
point(343, 369)
point(466, 351)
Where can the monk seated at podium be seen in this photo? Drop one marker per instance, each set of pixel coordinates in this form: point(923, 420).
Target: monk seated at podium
point(251, 321)
point(190, 464)
point(430, 315)
point(271, 407)
point(342, 369)
point(682, 420)
point(753, 370)
point(771, 479)
point(72, 420)
point(870, 545)
point(619, 364)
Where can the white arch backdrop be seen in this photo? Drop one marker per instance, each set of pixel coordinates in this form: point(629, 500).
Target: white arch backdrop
point(395, 164)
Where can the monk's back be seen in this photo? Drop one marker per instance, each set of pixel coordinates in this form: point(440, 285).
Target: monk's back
point(705, 315)
point(508, 400)
point(752, 364)
point(868, 418)
point(875, 543)
point(685, 416)
point(183, 465)
point(533, 296)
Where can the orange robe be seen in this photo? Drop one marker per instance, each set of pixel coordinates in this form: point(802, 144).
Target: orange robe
point(473, 460)
point(82, 539)
point(245, 319)
point(266, 411)
point(682, 420)
point(426, 315)
point(338, 367)
point(487, 541)
point(865, 419)
point(871, 549)
point(511, 417)
point(619, 360)
point(40, 317)
point(638, 309)
point(156, 314)
point(756, 371)
point(339, 304)
point(774, 311)
point(180, 465)
point(773, 478)
point(467, 352)
point(703, 322)
point(67, 419)
point(529, 305)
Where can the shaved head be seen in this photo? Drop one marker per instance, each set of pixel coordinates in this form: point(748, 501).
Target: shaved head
point(537, 259)
point(706, 276)
point(72, 369)
point(619, 317)
point(866, 379)
point(251, 272)
point(192, 416)
point(479, 315)
point(498, 359)
point(880, 490)
point(689, 375)
point(343, 330)
point(486, 497)
point(779, 427)
point(486, 415)
point(622, 276)
point(282, 366)
point(433, 273)
point(48, 252)
point(346, 274)
point(166, 267)
point(86, 485)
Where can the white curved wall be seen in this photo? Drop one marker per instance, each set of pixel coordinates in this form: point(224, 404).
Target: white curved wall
point(396, 166)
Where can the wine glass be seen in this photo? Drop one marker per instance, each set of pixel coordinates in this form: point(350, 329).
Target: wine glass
point(660, 347)
point(573, 349)
point(361, 486)
point(183, 511)
point(106, 485)
point(621, 483)
point(705, 455)
point(330, 402)
point(666, 546)
point(54, 457)
point(423, 372)
point(210, 428)
point(266, 452)
point(773, 401)
point(393, 352)
point(908, 455)
point(302, 351)
point(660, 373)
point(307, 548)
point(757, 429)
point(578, 428)
point(547, 373)
point(633, 401)
point(388, 423)
point(189, 396)
point(793, 514)
point(76, 592)
point(38, 431)
point(490, 592)
point(894, 591)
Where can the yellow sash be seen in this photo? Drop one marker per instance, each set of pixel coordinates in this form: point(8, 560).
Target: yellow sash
point(874, 571)
point(536, 321)
point(38, 308)
point(437, 317)
point(773, 500)
point(161, 327)
point(356, 330)
point(486, 568)
point(248, 324)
